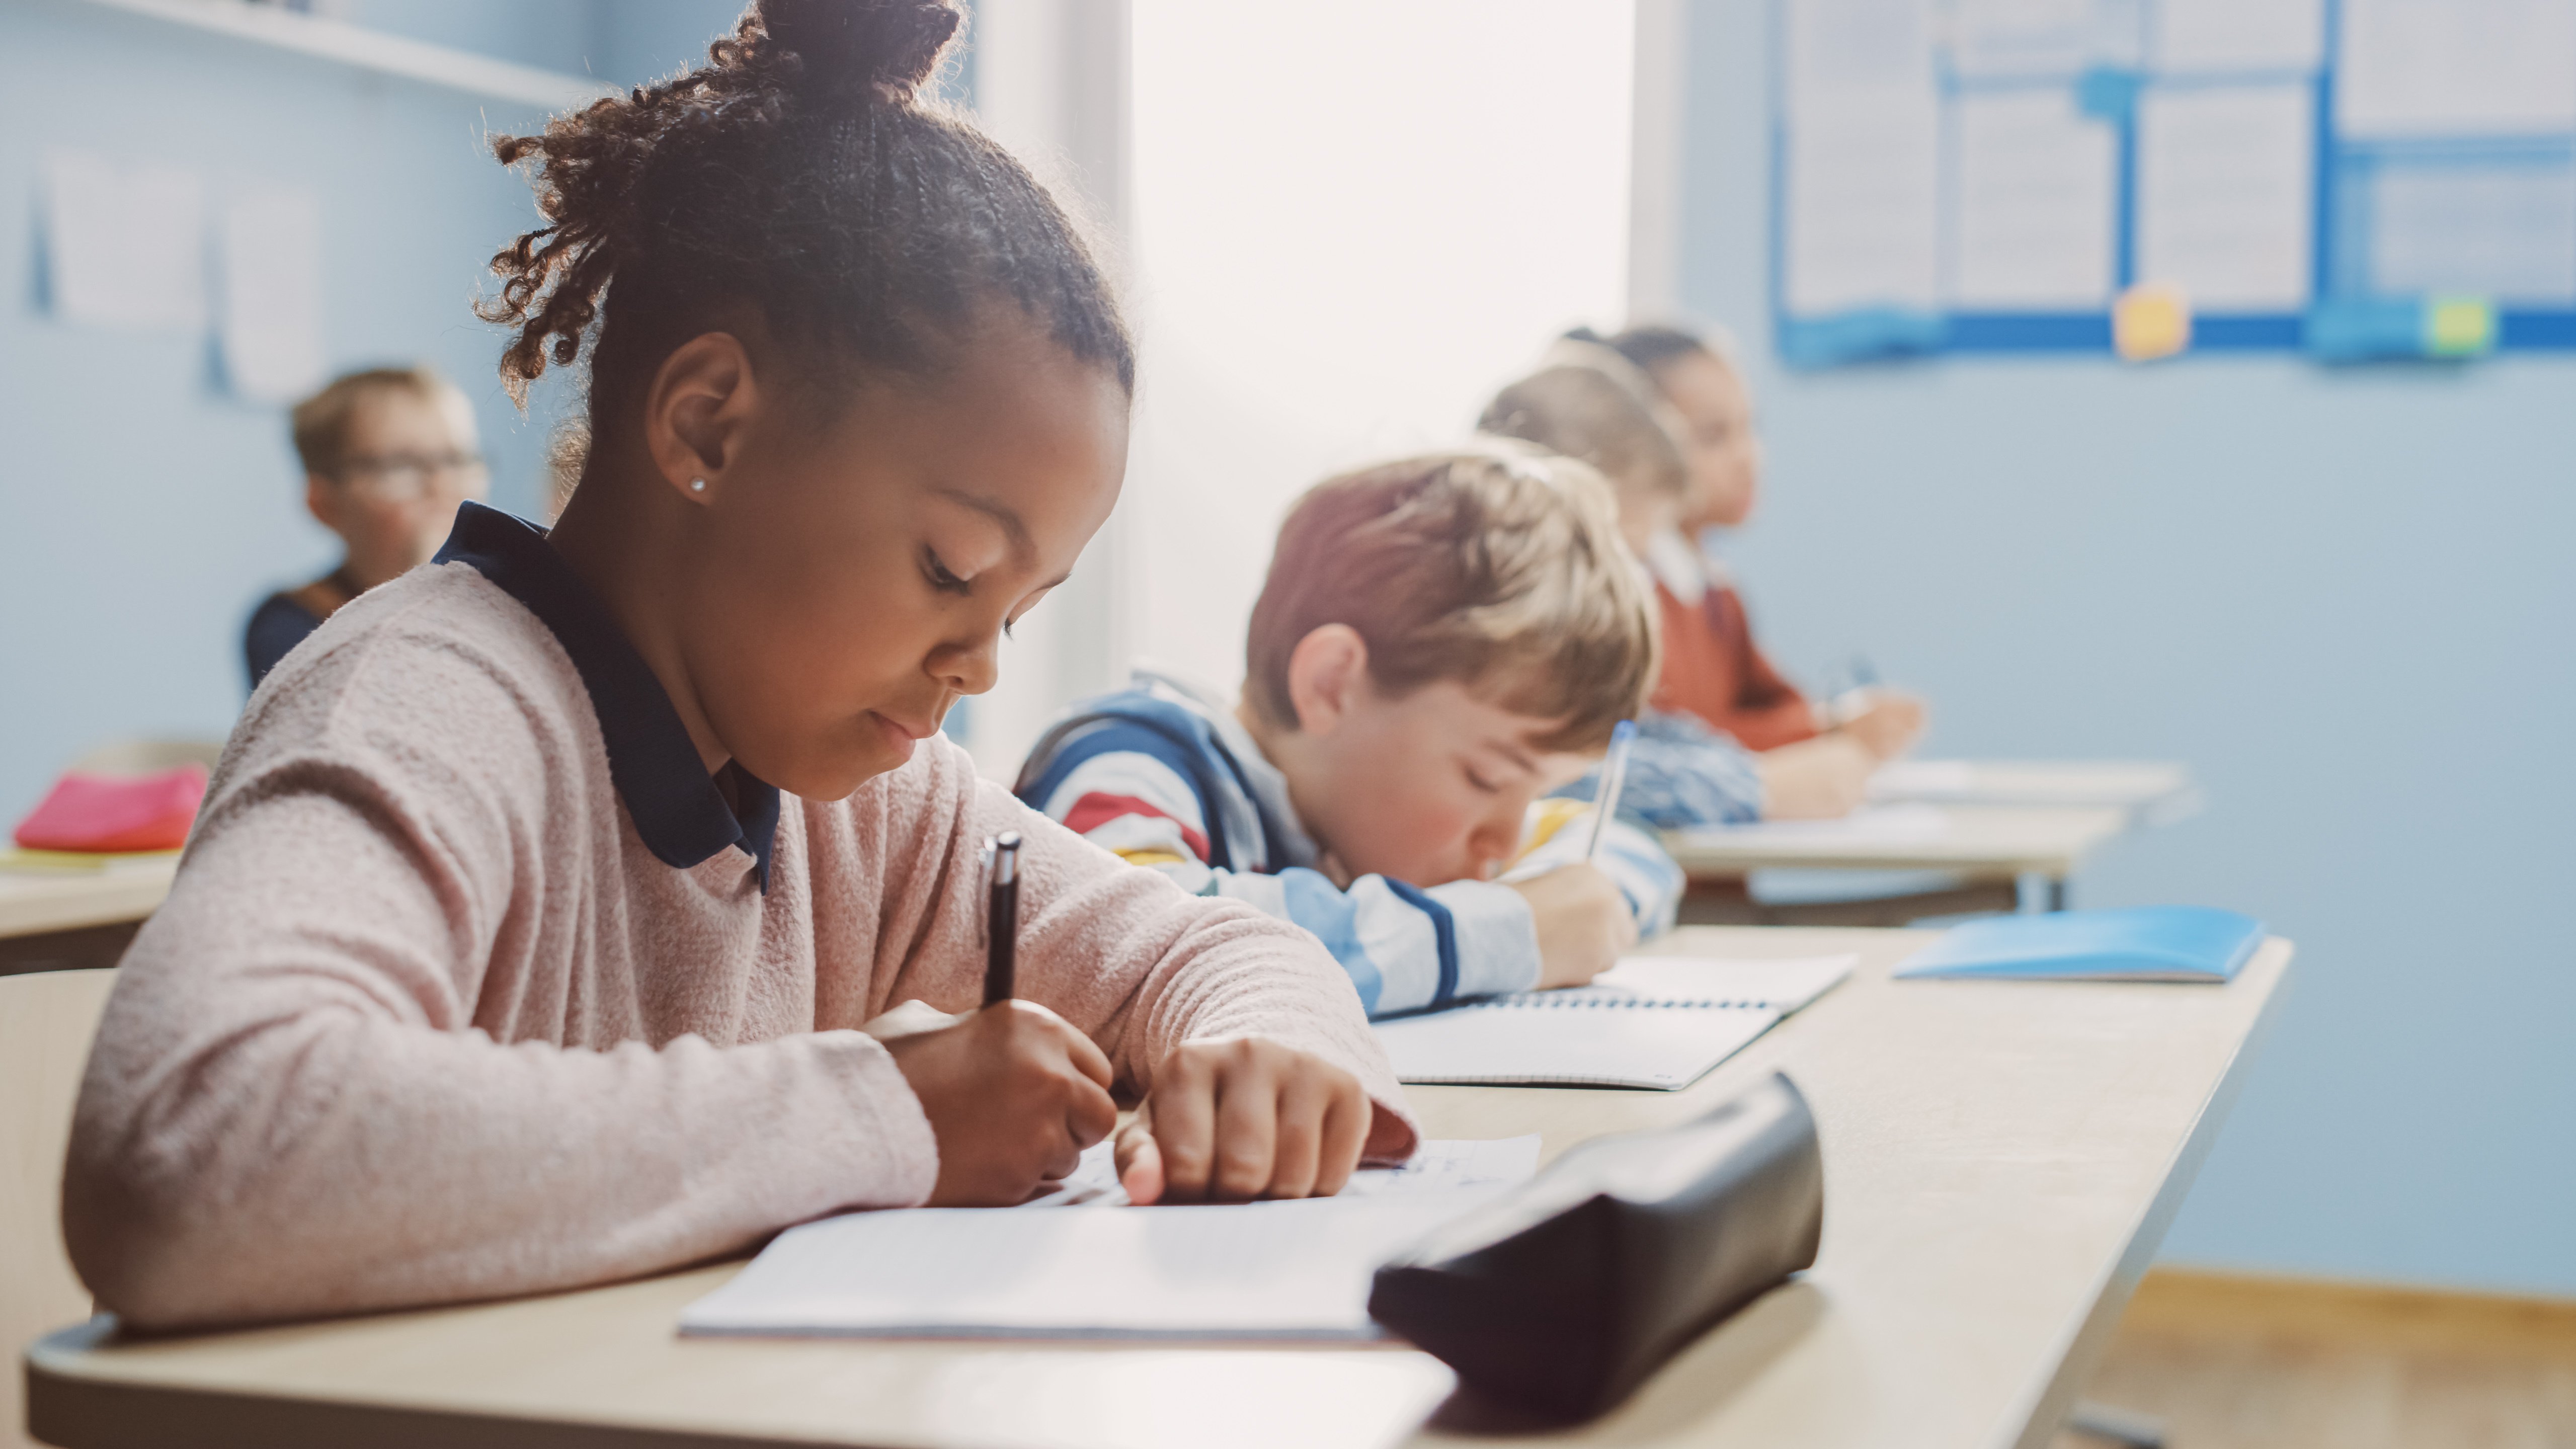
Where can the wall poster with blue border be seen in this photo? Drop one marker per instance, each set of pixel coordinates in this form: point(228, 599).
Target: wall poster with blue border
point(2352, 178)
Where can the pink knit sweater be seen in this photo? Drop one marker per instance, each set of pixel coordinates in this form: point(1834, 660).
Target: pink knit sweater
point(424, 1020)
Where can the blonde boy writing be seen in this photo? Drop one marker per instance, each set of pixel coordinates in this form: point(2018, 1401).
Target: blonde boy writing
point(1441, 642)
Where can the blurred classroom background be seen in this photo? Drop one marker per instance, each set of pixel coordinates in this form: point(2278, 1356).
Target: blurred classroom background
point(2333, 586)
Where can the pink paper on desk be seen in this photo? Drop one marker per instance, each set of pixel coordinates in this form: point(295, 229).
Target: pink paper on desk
point(104, 814)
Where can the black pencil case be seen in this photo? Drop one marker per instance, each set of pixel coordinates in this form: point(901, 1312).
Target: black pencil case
point(1563, 1296)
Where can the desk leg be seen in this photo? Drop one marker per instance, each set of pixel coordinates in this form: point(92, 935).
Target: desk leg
point(2057, 893)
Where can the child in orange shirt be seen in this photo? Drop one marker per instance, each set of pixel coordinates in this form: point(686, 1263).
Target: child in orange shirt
point(1712, 667)
point(1589, 403)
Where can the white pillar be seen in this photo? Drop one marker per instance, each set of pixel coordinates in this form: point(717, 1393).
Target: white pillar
point(1660, 107)
point(1051, 83)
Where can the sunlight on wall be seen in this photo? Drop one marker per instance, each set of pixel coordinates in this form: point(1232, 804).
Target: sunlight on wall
point(1351, 222)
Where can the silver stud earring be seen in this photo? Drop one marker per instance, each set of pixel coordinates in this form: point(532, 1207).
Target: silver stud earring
point(697, 485)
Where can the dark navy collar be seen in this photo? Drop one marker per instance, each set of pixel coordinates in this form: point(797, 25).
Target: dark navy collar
point(676, 806)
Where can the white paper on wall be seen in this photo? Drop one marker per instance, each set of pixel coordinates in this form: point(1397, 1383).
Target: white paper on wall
point(124, 245)
point(2034, 203)
point(2001, 39)
point(2503, 229)
point(2238, 35)
point(1843, 48)
point(1862, 191)
point(1863, 208)
point(2225, 177)
point(2420, 68)
point(272, 295)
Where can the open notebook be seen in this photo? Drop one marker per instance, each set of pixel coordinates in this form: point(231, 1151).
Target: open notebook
point(1658, 1022)
point(1086, 1268)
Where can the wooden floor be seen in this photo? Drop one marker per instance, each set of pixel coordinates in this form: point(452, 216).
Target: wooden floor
point(2254, 1363)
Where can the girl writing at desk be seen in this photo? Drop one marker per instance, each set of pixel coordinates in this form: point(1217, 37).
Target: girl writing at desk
point(531, 921)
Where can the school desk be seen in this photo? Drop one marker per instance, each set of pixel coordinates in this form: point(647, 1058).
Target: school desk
point(2000, 1162)
point(2153, 792)
point(1985, 850)
point(63, 919)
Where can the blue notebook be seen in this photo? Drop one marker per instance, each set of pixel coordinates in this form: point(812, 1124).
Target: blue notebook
point(2150, 943)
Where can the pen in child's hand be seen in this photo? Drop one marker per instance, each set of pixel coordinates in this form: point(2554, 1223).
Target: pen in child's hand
point(1002, 920)
point(1614, 778)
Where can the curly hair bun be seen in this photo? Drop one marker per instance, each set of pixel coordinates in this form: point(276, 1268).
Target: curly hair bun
point(847, 45)
point(795, 172)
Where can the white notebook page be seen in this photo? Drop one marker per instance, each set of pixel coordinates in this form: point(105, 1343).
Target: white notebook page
point(1280, 1270)
point(1609, 1046)
point(1784, 985)
point(1657, 1022)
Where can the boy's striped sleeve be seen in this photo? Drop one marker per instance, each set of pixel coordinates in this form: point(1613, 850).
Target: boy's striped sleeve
point(1135, 806)
point(1122, 787)
point(1405, 947)
point(1126, 788)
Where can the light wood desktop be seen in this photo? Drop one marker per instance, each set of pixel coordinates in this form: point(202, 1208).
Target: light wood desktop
point(2000, 1162)
point(1973, 841)
point(37, 902)
point(2005, 823)
point(56, 920)
point(2153, 792)
point(1984, 851)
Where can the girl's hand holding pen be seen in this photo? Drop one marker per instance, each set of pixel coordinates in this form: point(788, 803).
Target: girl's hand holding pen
point(1013, 1094)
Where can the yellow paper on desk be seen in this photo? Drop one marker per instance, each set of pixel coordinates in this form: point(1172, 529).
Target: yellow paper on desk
point(21, 858)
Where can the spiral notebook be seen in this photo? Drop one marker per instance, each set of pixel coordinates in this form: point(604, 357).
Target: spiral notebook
point(1654, 1022)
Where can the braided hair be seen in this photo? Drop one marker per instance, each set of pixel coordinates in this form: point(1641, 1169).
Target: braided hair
point(801, 175)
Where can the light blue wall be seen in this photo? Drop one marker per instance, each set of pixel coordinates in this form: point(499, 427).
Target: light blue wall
point(145, 509)
point(622, 41)
point(645, 39)
point(559, 35)
point(640, 40)
point(2346, 597)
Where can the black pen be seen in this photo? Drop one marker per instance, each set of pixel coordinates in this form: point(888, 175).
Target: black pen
point(1002, 920)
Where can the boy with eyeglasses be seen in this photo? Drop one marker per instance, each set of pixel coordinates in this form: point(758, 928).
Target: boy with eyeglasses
point(388, 455)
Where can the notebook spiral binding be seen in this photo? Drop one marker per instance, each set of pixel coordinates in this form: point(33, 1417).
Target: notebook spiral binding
point(1574, 1001)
